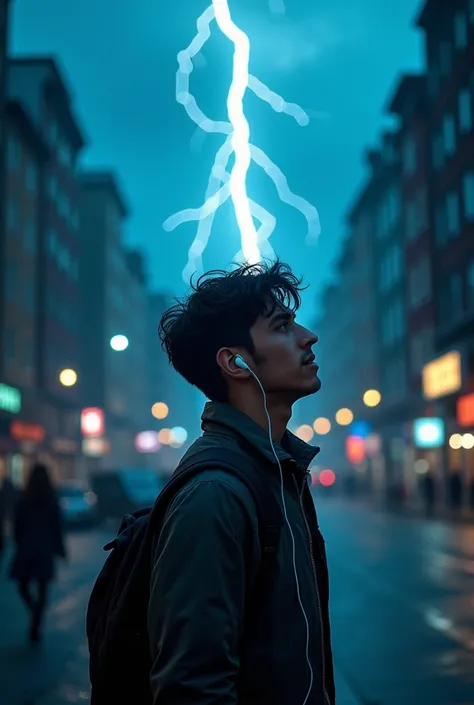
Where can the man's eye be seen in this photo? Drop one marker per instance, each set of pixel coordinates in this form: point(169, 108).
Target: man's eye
point(284, 326)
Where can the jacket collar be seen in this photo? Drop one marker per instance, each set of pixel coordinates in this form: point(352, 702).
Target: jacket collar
point(291, 448)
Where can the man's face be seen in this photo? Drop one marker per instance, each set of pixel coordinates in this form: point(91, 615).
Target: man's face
point(284, 360)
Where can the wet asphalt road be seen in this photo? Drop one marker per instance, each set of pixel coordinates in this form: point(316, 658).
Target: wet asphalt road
point(402, 615)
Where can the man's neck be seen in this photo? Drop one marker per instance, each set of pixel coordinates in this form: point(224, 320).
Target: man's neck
point(279, 413)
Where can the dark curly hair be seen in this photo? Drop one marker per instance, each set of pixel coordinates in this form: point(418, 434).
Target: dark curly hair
point(219, 312)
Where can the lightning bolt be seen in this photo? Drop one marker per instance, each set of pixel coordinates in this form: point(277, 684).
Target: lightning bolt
point(222, 185)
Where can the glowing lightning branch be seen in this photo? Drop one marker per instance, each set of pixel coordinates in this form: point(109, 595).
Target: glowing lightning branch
point(221, 184)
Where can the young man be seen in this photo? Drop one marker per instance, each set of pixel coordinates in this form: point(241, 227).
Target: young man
point(207, 643)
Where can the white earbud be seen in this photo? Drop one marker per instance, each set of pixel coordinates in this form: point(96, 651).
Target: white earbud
point(240, 362)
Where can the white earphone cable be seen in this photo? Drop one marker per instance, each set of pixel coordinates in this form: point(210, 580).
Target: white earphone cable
point(293, 542)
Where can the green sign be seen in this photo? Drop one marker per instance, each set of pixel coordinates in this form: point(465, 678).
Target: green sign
point(10, 399)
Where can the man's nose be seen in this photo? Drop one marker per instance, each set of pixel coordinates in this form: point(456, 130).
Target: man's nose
point(308, 338)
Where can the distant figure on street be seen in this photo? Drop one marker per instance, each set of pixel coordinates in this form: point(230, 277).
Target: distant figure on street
point(428, 492)
point(38, 536)
point(221, 593)
point(7, 505)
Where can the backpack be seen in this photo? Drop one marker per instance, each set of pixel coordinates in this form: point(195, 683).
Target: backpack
point(116, 624)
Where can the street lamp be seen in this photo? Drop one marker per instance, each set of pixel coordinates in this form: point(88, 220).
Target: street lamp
point(322, 426)
point(160, 410)
point(372, 397)
point(344, 417)
point(119, 343)
point(68, 377)
point(305, 433)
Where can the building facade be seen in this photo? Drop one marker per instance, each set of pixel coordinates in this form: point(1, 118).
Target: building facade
point(39, 87)
point(114, 303)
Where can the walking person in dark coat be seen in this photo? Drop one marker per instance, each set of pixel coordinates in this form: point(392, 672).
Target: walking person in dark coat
point(39, 541)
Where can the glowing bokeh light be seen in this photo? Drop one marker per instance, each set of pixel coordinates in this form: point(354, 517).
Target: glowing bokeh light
point(165, 436)
point(327, 478)
point(159, 410)
point(467, 441)
point(344, 417)
point(68, 377)
point(221, 184)
point(372, 398)
point(455, 441)
point(179, 435)
point(119, 343)
point(322, 426)
point(304, 433)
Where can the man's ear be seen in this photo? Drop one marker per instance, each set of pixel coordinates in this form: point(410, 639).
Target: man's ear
point(225, 358)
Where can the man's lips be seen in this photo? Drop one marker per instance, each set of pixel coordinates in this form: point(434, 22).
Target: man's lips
point(309, 360)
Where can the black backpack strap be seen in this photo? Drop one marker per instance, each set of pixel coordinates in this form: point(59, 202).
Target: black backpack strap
point(254, 477)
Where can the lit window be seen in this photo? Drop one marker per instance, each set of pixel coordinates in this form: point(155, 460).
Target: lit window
point(452, 214)
point(409, 156)
point(30, 236)
point(464, 111)
point(460, 30)
point(470, 284)
point(468, 195)
point(449, 135)
point(12, 214)
point(32, 177)
point(11, 287)
point(445, 58)
point(14, 152)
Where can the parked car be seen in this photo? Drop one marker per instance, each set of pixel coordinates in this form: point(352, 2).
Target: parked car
point(78, 505)
point(125, 491)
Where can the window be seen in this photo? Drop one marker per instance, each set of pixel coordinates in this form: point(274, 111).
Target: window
point(420, 283)
point(30, 236)
point(470, 284)
point(52, 243)
point(32, 177)
point(14, 152)
point(452, 214)
point(29, 294)
point(468, 195)
point(440, 224)
point(460, 30)
point(10, 343)
point(416, 216)
point(409, 156)
point(464, 111)
point(11, 282)
point(12, 214)
point(449, 135)
point(455, 286)
point(445, 58)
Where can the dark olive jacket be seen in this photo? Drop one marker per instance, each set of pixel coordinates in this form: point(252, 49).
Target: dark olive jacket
point(206, 556)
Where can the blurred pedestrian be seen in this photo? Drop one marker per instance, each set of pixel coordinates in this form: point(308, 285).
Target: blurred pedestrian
point(38, 538)
point(428, 492)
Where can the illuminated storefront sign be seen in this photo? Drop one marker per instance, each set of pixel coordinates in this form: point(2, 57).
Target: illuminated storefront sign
point(92, 422)
point(95, 447)
point(442, 376)
point(355, 449)
point(27, 432)
point(10, 399)
point(465, 410)
point(428, 433)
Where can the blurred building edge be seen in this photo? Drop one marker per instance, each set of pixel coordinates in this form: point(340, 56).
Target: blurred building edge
point(40, 274)
point(114, 301)
point(403, 294)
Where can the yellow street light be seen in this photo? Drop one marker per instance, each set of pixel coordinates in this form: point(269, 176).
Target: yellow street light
point(68, 378)
point(305, 433)
point(344, 417)
point(372, 397)
point(160, 410)
point(322, 426)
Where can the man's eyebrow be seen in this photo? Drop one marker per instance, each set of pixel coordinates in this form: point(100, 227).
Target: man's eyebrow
point(281, 317)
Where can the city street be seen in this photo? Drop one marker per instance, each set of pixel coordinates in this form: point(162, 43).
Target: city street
point(402, 606)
